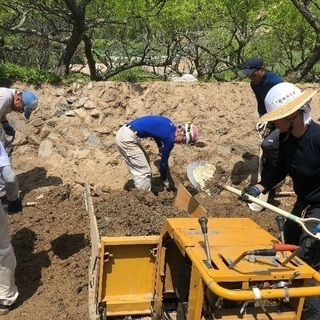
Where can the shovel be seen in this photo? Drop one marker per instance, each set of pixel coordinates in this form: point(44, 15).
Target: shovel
point(203, 175)
point(190, 173)
point(199, 185)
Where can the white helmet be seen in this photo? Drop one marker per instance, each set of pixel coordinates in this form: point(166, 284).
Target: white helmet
point(192, 133)
point(284, 99)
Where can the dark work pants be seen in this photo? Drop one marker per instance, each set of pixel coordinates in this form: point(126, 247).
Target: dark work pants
point(270, 147)
point(310, 252)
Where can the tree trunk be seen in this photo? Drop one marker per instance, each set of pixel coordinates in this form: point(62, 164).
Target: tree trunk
point(90, 59)
point(309, 63)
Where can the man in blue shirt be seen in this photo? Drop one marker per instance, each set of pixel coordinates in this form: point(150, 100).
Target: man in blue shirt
point(12, 100)
point(165, 134)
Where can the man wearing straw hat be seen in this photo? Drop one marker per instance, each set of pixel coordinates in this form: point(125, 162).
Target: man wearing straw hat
point(299, 157)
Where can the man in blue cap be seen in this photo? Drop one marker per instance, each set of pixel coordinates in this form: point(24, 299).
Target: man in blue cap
point(13, 100)
point(261, 81)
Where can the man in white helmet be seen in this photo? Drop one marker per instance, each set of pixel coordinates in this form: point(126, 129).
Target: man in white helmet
point(165, 134)
point(299, 157)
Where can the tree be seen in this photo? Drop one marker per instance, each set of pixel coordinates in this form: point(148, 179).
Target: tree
point(60, 25)
point(307, 9)
point(209, 38)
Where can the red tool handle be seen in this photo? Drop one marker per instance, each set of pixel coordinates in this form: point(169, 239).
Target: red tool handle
point(285, 247)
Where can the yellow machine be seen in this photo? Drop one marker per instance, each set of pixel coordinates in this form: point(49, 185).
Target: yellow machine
point(199, 268)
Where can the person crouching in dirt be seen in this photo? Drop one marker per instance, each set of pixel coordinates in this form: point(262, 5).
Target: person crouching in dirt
point(165, 134)
point(8, 289)
point(299, 156)
point(12, 100)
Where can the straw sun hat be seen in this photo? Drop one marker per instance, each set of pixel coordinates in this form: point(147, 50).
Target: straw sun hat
point(284, 99)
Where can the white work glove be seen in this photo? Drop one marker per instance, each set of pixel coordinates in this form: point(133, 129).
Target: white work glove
point(260, 126)
point(166, 183)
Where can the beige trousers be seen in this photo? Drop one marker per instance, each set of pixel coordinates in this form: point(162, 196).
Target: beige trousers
point(135, 156)
point(8, 290)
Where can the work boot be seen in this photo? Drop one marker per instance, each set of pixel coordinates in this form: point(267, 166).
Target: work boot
point(4, 309)
point(4, 200)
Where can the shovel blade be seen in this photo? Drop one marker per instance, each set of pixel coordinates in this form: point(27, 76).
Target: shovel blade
point(185, 201)
point(190, 170)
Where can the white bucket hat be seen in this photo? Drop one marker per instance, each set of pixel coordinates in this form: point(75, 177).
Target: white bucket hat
point(284, 99)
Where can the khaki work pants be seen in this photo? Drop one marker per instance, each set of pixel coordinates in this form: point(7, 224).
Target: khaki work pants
point(135, 156)
point(8, 290)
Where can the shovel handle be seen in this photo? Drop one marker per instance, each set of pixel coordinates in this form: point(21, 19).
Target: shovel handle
point(264, 204)
point(286, 214)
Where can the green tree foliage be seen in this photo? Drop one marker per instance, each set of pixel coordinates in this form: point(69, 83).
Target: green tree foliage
point(9, 73)
point(210, 39)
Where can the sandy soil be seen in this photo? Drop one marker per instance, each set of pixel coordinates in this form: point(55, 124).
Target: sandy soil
point(70, 140)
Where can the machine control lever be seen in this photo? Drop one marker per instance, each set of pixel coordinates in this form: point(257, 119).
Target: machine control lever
point(203, 221)
point(269, 252)
point(280, 221)
point(283, 284)
point(259, 252)
point(263, 252)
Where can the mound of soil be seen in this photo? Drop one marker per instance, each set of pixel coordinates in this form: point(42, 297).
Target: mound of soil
point(70, 140)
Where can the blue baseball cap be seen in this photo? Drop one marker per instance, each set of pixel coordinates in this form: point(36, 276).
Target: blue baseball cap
point(251, 65)
point(30, 103)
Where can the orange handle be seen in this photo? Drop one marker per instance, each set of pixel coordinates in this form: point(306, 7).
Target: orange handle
point(285, 247)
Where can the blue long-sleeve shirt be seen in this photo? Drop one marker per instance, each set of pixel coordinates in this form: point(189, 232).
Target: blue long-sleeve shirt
point(300, 158)
point(261, 89)
point(162, 130)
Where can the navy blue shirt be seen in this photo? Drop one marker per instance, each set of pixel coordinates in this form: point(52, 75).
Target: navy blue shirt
point(300, 158)
point(162, 130)
point(261, 89)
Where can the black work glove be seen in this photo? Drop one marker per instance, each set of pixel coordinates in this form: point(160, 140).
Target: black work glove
point(251, 191)
point(15, 206)
point(8, 129)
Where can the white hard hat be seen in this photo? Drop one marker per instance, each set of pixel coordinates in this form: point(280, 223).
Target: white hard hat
point(284, 99)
